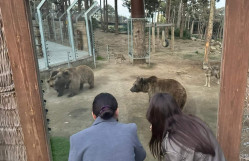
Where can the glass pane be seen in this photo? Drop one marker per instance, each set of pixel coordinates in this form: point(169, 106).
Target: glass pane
point(69, 34)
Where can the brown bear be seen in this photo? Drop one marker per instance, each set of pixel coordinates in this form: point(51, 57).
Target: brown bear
point(52, 77)
point(75, 77)
point(154, 85)
point(59, 87)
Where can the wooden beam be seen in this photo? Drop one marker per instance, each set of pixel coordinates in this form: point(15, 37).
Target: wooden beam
point(164, 25)
point(25, 74)
point(234, 77)
point(172, 38)
point(153, 40)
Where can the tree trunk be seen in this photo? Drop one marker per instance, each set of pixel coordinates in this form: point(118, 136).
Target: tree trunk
point(86, 4)
point(106, 8)
point(64, 28)
point(101, 17)
point(104, 15)
point(174, 14)
point(139, 47)
point(79, 5)
point(184, 5)
point(167, 12)
point(116, 17)
point(192, 27)
point(209, 32)
point(50, 27)
point(188, 22)
point(91, 2)
point(179, 15)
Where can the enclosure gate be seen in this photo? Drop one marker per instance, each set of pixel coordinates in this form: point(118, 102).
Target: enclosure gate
point(148, 24)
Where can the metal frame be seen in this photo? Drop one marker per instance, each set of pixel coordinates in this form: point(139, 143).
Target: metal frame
point(80, 14)
point(62, 38)
point(44, 48)
point(130, 38)
point(88, 16)
point(70, 27)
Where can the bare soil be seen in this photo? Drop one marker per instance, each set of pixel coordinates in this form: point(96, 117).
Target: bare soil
point(70, 115)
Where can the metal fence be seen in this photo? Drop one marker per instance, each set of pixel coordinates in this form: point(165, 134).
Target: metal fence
point(244, 146)
point(65, 37)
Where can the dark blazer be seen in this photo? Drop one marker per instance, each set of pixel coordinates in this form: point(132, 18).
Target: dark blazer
point(107, 140)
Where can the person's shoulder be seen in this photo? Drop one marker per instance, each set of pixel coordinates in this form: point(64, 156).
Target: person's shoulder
point(129, 127)
point(82, 133)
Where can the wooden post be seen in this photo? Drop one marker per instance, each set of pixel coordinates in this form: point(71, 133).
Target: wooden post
point(233, 77)
point(25, 74)
point(172, 38)
point(158, 33)
point(163, 36)
point(153, 39)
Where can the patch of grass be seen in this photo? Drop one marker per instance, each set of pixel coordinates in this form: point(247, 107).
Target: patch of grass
point(100, 58)
point(60, 148)
point(197, 52)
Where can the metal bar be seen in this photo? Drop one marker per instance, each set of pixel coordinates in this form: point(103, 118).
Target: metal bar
point(88, 30)
point(48, 26)
point(164, 25)
point(52, 13)
point(108, 55)
point(78, 16)
point(128, 38)
point(70, 27)
point(149, 41)
point(132, 42)
point(61, 25)
point(44, 50)
point(68, 59)
point(93, 38)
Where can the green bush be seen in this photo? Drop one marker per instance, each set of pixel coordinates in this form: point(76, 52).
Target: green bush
point(186, 33)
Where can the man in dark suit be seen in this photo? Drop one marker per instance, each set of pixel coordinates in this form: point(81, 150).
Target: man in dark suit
point(106, 139)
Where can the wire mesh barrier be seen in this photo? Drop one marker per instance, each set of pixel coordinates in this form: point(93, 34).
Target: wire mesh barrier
point(64, 35)
point(244, 146)
point(11, 135)
point(135, 40)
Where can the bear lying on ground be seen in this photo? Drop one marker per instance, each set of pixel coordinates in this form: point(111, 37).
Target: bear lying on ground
point(154, 85)
point(75, 78)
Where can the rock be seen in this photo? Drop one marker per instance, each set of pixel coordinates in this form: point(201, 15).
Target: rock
point(212, 49)
point(217, 47)
point(193, 38)
point(212, 41)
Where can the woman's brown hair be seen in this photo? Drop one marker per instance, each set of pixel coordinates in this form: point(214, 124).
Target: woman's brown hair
point(166, 117)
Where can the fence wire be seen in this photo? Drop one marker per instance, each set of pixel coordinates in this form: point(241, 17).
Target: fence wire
point(11, 135)
point(244, 145)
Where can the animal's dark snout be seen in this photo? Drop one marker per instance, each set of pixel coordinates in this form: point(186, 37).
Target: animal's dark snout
point(133, 89)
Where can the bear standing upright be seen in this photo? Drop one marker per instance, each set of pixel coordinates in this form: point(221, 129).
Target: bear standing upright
point(75, 77)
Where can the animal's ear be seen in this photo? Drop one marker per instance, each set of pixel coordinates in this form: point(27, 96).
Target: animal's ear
point(54, 73)
point(66, 73)
point(139, 79)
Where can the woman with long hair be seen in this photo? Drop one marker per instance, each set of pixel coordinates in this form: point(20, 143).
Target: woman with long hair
point(177, 136)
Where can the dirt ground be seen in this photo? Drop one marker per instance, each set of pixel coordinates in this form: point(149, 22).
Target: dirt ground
point(70, 115)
